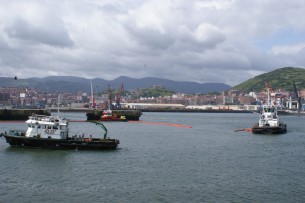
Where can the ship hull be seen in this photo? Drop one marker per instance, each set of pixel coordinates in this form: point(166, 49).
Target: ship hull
point(269, 130)
point(114, 119)
point(95, 144)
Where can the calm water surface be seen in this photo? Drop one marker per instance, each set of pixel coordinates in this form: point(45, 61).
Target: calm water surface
point(209, 162)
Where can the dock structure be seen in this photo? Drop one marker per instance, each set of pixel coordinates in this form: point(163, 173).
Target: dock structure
point(21, 114)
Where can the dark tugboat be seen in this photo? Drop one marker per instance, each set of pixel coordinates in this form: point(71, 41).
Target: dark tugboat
point(269, 121)
point(53, 132)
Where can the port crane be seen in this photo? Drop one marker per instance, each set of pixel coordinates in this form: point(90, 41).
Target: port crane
point(109, 98)
point(119, 96)
point(299, 99)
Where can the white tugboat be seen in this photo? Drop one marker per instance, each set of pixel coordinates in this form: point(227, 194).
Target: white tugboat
point(53, 132)
point(269, 121)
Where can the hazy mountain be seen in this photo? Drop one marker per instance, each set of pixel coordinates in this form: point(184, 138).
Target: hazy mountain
point(75, 84)
point(182, 87)
point(62, 78)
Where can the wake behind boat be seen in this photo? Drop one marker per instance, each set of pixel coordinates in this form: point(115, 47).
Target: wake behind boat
point(53, 132)
point(269, 121)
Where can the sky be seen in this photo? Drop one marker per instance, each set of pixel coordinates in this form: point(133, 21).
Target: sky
point(222, 41)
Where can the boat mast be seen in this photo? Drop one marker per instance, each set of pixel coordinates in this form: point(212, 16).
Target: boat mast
point(268, 92)
point(269, 102)
point(58, 105)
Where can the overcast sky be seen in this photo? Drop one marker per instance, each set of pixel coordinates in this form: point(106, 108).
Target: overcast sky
point(226, 41)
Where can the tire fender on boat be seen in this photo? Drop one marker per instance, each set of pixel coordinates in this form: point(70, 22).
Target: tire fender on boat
point(50, 131)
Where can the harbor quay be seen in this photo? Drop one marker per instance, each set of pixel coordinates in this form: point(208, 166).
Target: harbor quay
point(130, 114)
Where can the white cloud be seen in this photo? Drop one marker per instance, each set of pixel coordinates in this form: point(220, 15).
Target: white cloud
point(214, 4)
point(196, 40)
point(288, 50)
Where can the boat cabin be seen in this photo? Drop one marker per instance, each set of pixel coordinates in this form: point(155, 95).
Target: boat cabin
point(107, 114)
point(47, 127)
point(269, 117)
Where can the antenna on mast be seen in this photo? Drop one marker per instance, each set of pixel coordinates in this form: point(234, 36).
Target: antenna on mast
point(269, 88)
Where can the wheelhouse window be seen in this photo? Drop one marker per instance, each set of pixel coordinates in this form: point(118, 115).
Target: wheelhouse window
point(31, 125)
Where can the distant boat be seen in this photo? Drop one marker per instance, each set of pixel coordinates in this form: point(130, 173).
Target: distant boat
point(108, 115)
point(53, 132)
point(38, 106)
point(290, 112)
point(269, 121)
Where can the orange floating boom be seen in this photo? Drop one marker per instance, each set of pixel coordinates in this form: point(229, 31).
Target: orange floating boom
point(163, 123)
point(245, 129)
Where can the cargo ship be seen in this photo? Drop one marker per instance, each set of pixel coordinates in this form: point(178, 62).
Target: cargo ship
point(133, 115)
point(21, 113)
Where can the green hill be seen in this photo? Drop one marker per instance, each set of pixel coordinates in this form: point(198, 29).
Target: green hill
point(279, 79)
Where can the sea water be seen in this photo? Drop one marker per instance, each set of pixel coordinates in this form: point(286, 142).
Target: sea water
point(208, 162)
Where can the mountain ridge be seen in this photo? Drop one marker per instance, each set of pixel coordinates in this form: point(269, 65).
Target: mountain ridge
point(74, 84)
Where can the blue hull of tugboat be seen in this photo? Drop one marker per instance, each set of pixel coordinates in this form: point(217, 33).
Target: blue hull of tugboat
point(95, 144)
